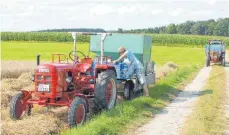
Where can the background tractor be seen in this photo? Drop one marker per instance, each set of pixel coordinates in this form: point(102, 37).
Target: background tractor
point(215, 52)
point(63, 83)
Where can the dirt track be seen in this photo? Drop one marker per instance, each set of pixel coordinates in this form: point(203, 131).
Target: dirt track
point(171, 120)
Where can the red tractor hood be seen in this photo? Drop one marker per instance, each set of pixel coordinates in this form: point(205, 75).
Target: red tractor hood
point(81, 67)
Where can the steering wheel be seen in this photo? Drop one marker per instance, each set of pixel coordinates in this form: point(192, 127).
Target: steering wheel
point(77, 54)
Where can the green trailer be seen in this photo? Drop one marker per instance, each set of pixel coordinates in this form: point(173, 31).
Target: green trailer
point(140, 45)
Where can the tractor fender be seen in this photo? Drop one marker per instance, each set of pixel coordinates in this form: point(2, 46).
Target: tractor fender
point(100, 68)
point(83, 96)
point(27, 95)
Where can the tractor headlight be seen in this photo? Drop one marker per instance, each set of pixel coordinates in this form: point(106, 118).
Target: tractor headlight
point(69, 79)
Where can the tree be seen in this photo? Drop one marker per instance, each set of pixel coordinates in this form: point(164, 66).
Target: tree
point(120, 30)
point(181, 28)
point(196, 29)
point(171, 29)
point(162, 29)
point(221, 28)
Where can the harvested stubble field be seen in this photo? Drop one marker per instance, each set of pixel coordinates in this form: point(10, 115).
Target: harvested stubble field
point(16, 75)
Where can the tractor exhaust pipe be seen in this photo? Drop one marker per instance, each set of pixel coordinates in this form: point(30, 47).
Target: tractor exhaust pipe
point(38, 59)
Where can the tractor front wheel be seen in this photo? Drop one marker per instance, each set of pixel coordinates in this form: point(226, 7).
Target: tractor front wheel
point(18, 108)
point(77, 112)
point(106, 90)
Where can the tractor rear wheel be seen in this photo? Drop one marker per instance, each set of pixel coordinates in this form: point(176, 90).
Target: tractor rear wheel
point(77, 112)
point(18, 107)
point(105, 90)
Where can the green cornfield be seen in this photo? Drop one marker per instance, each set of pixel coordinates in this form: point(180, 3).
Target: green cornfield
point(41, 36)
point(161, 39)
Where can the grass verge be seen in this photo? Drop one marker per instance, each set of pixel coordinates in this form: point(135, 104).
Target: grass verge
point(182, 56)
point(118, 119)
point(208, 116)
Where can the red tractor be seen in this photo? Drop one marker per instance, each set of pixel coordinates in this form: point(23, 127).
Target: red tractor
point(63, 83)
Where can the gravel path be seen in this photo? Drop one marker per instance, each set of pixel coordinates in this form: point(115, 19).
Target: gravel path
point(170, 121)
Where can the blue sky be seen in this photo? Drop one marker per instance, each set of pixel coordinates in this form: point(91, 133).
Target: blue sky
point(27, 15)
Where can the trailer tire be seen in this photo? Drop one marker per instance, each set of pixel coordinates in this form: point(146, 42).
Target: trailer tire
point(223, 62)
point(77, 112)
point(207, 62)
point(105, 90)
point(128, 91)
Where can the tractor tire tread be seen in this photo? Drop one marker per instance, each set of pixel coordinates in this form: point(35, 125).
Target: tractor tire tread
point(12, 105)
point(72, 111)
point(100, 89)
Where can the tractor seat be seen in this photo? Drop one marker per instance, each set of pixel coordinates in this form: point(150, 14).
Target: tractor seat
point(84, 65)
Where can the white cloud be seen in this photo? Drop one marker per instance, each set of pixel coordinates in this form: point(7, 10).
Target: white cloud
point(143, 8)
point(126, 9)
point(133, 8)
point(157, 11)
point(101, 9)
point(176, 12)
point(201, 13)
point(211, 2)
point(23, 15)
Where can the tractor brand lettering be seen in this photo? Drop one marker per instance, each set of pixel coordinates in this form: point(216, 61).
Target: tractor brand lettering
point(43, 70)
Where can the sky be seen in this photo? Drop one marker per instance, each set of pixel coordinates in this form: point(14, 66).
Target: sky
point(31, 15)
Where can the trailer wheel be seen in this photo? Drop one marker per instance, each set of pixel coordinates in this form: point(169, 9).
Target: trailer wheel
point(105, 90)
point(207, 62)
point(128, 91)
point(77, 112)
point(18, 107)
point(223, 62)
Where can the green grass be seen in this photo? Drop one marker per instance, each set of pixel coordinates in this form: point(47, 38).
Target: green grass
point(119, 119)
point(208, 117)
point(182, 56)
point(29, 50)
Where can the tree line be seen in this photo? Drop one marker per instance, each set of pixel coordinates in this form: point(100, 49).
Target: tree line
point(219, 27)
